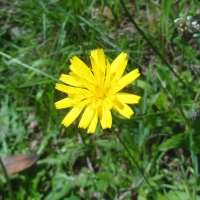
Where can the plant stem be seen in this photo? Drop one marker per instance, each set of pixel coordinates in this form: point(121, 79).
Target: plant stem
point(194, 162)
point(28, 67)
point(7, 179)
point(151, 44)
point(183, 52)
point(197, 95)
point(133, 159)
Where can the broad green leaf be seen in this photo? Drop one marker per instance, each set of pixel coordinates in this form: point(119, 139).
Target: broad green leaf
point(180, 141)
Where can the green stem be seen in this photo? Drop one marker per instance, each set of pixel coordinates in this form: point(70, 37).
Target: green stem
point(183, 51)
point(150, 43)
point(133, 159)
point(7, 179)
point(194, 162)
point(77, 27)
point(197, 95)
point(28, 67)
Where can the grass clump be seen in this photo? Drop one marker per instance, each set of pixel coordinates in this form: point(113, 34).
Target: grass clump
point(152, 155)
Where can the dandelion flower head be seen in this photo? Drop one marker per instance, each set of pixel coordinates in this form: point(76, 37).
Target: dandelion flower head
point(95, 91)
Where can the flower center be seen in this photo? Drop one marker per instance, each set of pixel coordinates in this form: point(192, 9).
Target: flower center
point(100, 92)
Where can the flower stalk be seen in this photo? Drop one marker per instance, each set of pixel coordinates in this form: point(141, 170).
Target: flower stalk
point(133, 159)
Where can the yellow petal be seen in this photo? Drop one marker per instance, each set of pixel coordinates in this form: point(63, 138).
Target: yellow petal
point(126, 79)
point(99, 57)
point(107, 79)
point(87, 83)
point(71, 116)
point(117, 62)
point(119, 66)
point(81, 68)
point(105, 117)
point(80, 96)
point(93, 124)
point(81, 103)
point(123, 109)
point(72, 90)
point(121, 69)
point(108, 101)
point(97, 72)
point(69, 80)
point(65, 88)
point(64, 103)
point(86, 117)
point(128, 98)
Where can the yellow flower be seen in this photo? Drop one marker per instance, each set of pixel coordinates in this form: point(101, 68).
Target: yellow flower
point(95, 91)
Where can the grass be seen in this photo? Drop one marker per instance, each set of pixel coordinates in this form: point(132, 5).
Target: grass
point(37, 39)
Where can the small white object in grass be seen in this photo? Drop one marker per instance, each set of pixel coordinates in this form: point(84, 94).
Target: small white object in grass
point(177, 20)
point(193, 114)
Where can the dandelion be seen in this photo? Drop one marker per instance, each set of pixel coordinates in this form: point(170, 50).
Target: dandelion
point(95, 92)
